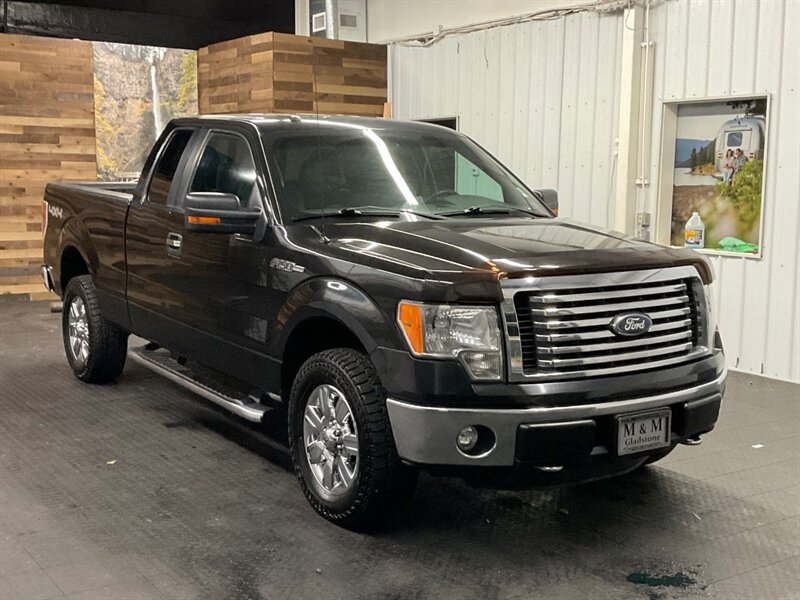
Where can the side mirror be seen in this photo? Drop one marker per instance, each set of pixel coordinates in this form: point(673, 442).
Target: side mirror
point(549, 198)
point(217, 212)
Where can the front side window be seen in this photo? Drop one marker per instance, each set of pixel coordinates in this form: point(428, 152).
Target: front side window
point(429, 171)
point(226, 165)
point(164, 172)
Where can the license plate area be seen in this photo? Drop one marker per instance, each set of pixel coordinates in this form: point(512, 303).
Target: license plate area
point(643, 431)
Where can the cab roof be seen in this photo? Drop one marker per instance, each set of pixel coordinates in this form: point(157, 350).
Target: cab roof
point(268, 121)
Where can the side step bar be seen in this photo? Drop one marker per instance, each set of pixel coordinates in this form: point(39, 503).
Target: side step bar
point(162, 362)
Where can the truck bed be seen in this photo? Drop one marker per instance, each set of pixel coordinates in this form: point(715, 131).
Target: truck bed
point(90, 217)
point(119, 190)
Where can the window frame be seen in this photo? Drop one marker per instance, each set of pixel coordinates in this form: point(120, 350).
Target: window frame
point(728, 135)
point(196, 155)
point(661, 203)
point(177, 179)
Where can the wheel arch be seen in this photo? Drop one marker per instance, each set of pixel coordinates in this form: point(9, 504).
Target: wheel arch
point(311, 336)
point(325, 313)
point(77, 254)
point(71, 264)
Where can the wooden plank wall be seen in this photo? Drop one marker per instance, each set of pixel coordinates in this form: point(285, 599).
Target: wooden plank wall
point(47, 114)
point(46, 134)
point(278, 72)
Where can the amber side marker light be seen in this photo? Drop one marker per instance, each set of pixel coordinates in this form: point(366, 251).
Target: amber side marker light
point(409, 316)
point(203, 220)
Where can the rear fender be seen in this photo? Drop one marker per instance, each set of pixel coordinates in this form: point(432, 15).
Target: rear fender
point(74, 234)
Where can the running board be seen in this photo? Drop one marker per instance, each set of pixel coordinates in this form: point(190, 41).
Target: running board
point(162, 362)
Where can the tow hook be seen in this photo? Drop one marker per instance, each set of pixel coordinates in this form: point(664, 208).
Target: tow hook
point(692, 441)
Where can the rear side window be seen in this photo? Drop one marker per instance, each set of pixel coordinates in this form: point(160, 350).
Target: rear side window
point(227, 166)
point(167, 164)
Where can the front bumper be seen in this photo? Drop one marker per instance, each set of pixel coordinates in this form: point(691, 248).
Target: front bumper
point(543, 436)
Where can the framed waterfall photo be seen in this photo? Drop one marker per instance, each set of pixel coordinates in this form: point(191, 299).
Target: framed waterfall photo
point(137, 90)
point(711, 187)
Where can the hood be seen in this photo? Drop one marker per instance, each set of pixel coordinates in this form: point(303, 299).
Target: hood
point(502, 247)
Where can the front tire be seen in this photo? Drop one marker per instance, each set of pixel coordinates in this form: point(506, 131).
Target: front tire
point(96, 348)
point(341, 440)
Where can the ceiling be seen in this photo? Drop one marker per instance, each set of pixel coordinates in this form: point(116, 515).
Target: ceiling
point(170, 23)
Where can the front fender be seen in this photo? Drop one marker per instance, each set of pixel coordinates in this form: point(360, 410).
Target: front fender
point(339, 300)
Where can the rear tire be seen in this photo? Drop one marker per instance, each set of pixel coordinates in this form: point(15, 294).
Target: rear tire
point(96, 348)
point(341, 441)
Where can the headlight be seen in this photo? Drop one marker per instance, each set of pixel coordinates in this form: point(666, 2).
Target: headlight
point(468, 333)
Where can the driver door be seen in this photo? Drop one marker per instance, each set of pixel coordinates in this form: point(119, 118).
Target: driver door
point(216, 287)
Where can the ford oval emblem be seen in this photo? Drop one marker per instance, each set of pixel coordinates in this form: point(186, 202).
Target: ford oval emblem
point(631, 324)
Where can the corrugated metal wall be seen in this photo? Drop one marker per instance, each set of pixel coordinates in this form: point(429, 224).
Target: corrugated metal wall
point(543, 97)
point(708, 48)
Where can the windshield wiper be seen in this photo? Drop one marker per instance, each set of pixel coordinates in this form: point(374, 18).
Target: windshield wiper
point(367, 211)
point(488, 209)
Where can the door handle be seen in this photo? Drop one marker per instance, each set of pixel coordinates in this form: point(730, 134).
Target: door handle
point(174, 242)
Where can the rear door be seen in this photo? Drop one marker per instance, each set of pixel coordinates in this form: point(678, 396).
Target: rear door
point(147, 236)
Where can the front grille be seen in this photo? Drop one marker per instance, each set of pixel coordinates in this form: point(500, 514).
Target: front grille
point(564, 331)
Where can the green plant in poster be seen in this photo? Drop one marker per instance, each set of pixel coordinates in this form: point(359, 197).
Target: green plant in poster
point(744, 191)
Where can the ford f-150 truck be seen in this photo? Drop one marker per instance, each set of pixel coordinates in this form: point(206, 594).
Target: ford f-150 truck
point(393, 297)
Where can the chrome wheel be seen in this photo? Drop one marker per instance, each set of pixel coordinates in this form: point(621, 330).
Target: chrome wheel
point(78, 331)
point(330, 438)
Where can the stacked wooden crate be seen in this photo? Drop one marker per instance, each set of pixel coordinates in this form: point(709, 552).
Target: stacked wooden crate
point(277, 72)
point(46, 134)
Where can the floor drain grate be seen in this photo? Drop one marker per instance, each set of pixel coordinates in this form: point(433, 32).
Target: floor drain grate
point(679, 579)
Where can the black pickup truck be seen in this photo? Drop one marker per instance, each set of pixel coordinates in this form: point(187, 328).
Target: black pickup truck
point(395, 298)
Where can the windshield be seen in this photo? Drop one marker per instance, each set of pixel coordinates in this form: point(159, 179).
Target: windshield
point(429, 171)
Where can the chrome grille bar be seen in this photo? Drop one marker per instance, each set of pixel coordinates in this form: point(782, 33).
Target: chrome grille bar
point(644, 341)
point(593, 360)
point(667, 314)
point(582, 296)
point(602, 308)
point(607, 334)
point(559, 327)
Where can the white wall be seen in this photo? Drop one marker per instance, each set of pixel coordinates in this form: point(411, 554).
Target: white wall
point(393, 19)
point(708, 48)
point(301, 25)
point(543, 97)
point(389, 20)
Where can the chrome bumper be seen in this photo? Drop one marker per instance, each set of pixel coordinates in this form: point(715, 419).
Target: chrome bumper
point(427, 435)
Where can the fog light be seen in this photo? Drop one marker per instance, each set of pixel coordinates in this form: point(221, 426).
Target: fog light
point(483, 365)
point(467, 438)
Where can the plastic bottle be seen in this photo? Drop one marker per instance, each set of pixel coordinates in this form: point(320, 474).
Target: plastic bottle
point(694, 234)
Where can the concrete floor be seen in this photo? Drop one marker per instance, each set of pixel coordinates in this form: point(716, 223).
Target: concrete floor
point(140, 490)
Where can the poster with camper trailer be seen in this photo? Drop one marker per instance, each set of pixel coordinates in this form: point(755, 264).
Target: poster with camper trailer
point(718, 172)
point(137, 90)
